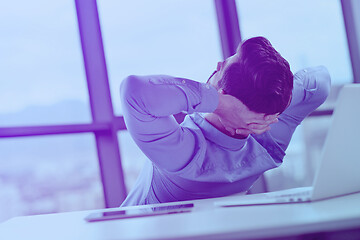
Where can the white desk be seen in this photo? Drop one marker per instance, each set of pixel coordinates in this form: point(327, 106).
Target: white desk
point(205, 222)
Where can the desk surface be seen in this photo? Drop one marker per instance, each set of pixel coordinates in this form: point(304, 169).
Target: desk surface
point(205, 222)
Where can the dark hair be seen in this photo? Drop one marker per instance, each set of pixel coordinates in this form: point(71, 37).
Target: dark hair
point(261, 78)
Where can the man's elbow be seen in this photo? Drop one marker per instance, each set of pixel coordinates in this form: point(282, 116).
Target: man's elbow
point(130, 88)
point(323, 83)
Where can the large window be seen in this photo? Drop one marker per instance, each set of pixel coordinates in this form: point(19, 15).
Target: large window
point(42, 82)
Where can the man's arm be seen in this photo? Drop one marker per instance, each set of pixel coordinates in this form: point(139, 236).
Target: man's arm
point(150, 101)
point(148, 105)
point(311, 88)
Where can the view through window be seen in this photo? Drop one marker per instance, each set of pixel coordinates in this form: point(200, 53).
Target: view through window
point(42, 82)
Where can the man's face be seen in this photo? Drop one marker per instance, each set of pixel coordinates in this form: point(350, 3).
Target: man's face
point(221, 68)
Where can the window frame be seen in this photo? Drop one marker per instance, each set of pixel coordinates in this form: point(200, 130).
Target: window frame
point(105, 124)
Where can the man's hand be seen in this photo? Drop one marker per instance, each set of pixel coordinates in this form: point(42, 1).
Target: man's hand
point(236, 118)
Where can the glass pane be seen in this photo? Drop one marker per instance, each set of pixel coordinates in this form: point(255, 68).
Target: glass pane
point(132, 158)
point(305, 32)
point(42, 80)
point(49, 174)
point(302, 156)
point(178, 38)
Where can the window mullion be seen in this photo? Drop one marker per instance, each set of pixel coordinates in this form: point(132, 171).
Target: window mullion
point(100, 102)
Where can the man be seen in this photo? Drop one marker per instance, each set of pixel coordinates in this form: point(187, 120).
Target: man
point(240, 125)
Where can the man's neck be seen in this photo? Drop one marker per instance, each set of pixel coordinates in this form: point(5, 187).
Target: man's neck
point(214, 120)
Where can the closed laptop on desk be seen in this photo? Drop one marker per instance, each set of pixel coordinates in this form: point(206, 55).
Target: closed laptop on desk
point(338, 173)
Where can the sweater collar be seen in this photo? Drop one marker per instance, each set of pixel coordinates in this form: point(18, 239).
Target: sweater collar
point(214, 135)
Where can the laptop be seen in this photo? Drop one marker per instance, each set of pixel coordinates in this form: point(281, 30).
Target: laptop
point(339, 170)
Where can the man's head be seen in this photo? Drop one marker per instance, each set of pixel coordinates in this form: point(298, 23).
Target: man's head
point(257, 75)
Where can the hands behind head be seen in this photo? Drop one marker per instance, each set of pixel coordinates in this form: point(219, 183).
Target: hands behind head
point(236, 118)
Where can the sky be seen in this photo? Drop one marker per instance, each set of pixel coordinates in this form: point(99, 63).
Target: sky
point(41, 61)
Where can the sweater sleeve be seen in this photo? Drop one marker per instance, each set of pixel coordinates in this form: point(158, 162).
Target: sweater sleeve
point(311, 88)
point(149, 103)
